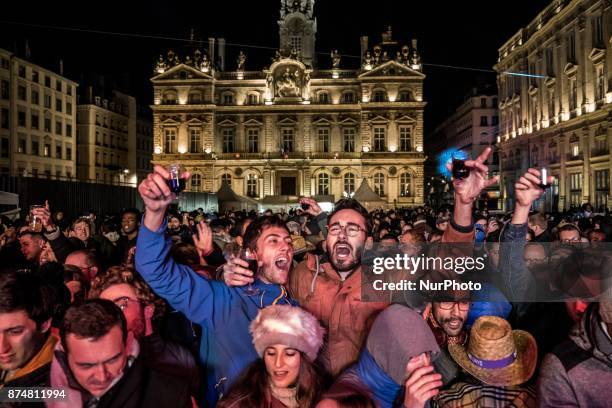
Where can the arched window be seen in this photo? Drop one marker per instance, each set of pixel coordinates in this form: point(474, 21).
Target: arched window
point(227, 178)
point(227, 98)
point(323, 97)
point(380, 96)
point(405, 185)
point(405, 96)
point(196, 182)
point(379, 184)
point(323, 184)
point(195, 97)
point(253, 99)
point(349, 183)
point(170, 98)
point(251, 186)
point(348, 97)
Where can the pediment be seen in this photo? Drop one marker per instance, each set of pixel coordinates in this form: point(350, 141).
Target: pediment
point(322, 121)
point(378, 119)
point(287, 121)
point(170, 122)
point(253, 122)
point(391, 68)
point(405, 119)
point(348, 121)
point(227, 122)
point(195, 122)
point(596, 55)
point(570, 69)
point(181, 72)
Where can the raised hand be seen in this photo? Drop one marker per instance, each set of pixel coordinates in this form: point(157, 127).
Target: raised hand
point(468, 190)
point(203, 240)
point(44, 215)
point(527, 189)
point(313, 207)
point(236, 272)
point(155, 192)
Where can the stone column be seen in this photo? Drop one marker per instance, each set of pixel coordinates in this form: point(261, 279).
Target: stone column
point(240, 135)
point(306, 121)
point(269, 145)
point(586, 168)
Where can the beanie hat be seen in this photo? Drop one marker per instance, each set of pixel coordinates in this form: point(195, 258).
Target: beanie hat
point(288, 325)
point(398, 334)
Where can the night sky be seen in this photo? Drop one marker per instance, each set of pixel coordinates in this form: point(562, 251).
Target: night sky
point(457, 33)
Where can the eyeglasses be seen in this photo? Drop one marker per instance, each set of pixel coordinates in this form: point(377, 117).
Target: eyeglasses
point(124, 301)
point(463, 306)
point(351, 230)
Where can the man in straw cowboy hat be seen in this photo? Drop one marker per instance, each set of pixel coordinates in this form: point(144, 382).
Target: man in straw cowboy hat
point(578, 372)
point(499, 360)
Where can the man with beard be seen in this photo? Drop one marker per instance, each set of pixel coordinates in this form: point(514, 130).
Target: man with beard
point(130, 221)
point(330, 286)
point(223, 312)
point(447, 321)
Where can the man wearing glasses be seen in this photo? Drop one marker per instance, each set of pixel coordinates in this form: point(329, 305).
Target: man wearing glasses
point(447, 321)
point(141, 308)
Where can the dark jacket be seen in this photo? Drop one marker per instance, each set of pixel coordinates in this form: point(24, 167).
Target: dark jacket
point(578, 372)
point(170, 358)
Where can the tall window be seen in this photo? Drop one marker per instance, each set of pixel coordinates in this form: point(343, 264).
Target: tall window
point(296, 43)
point(483, 102)
point(4, 147)
point(597, 30)
point(551, 103)
point(571, 47)
point(251, 185)
point(170, 141)
point(195, 140)
point(323, 184)
point(405, 96)
point(602, 188)
point(196, 182)
point(253, 140)
point(323, 97)
point(35, 147)
point(575, 150)
point(405, 135)
point(573, 95)
point(348, 142)
point(228, 140)
point(379, 139)
point(534, 111)
point(228, 98)
point(4, 89)
point(600, 83)
point(323, 140)
point(405, 180)
point(550, 68)
point(21, 93)
point(287, 141)
point(575, 189)
point(379, 184)
point(484, 121)
point(227, 178)
point(349, 183)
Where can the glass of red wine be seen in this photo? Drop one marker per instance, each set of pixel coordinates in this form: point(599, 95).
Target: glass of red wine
point(176, 183)
point(460, 171)
point(246, 254)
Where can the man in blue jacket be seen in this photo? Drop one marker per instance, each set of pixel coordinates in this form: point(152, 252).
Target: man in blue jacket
point(223, 312)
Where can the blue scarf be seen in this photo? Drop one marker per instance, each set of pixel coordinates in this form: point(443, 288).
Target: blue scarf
point(383, 388)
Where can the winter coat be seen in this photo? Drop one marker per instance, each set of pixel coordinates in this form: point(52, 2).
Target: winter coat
point(223, 312)
point(338, 305)
point(578, 372)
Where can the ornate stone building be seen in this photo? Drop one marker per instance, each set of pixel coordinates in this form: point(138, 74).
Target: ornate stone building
point(293, 128)
point(555, 102)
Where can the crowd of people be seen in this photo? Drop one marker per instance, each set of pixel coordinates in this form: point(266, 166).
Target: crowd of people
point(170, 308)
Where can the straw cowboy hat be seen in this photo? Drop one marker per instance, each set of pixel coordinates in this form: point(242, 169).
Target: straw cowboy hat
point(495, 354)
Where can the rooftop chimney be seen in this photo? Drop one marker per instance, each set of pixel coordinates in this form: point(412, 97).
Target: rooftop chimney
point(414, 43)
point(211, 49)
point(364, 46)
point(221, 47)
point(61, 67)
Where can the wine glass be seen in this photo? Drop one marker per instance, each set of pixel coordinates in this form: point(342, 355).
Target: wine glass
point(460, 171)
point(176, 183)
point(246, 254)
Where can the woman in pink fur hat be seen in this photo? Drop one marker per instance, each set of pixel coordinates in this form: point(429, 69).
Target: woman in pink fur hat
point(287, 339)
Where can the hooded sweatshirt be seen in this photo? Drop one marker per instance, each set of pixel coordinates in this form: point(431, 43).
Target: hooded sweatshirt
point(398, 334)
point(578, 372)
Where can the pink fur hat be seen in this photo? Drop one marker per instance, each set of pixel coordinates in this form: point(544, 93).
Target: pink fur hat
point(287, 325)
